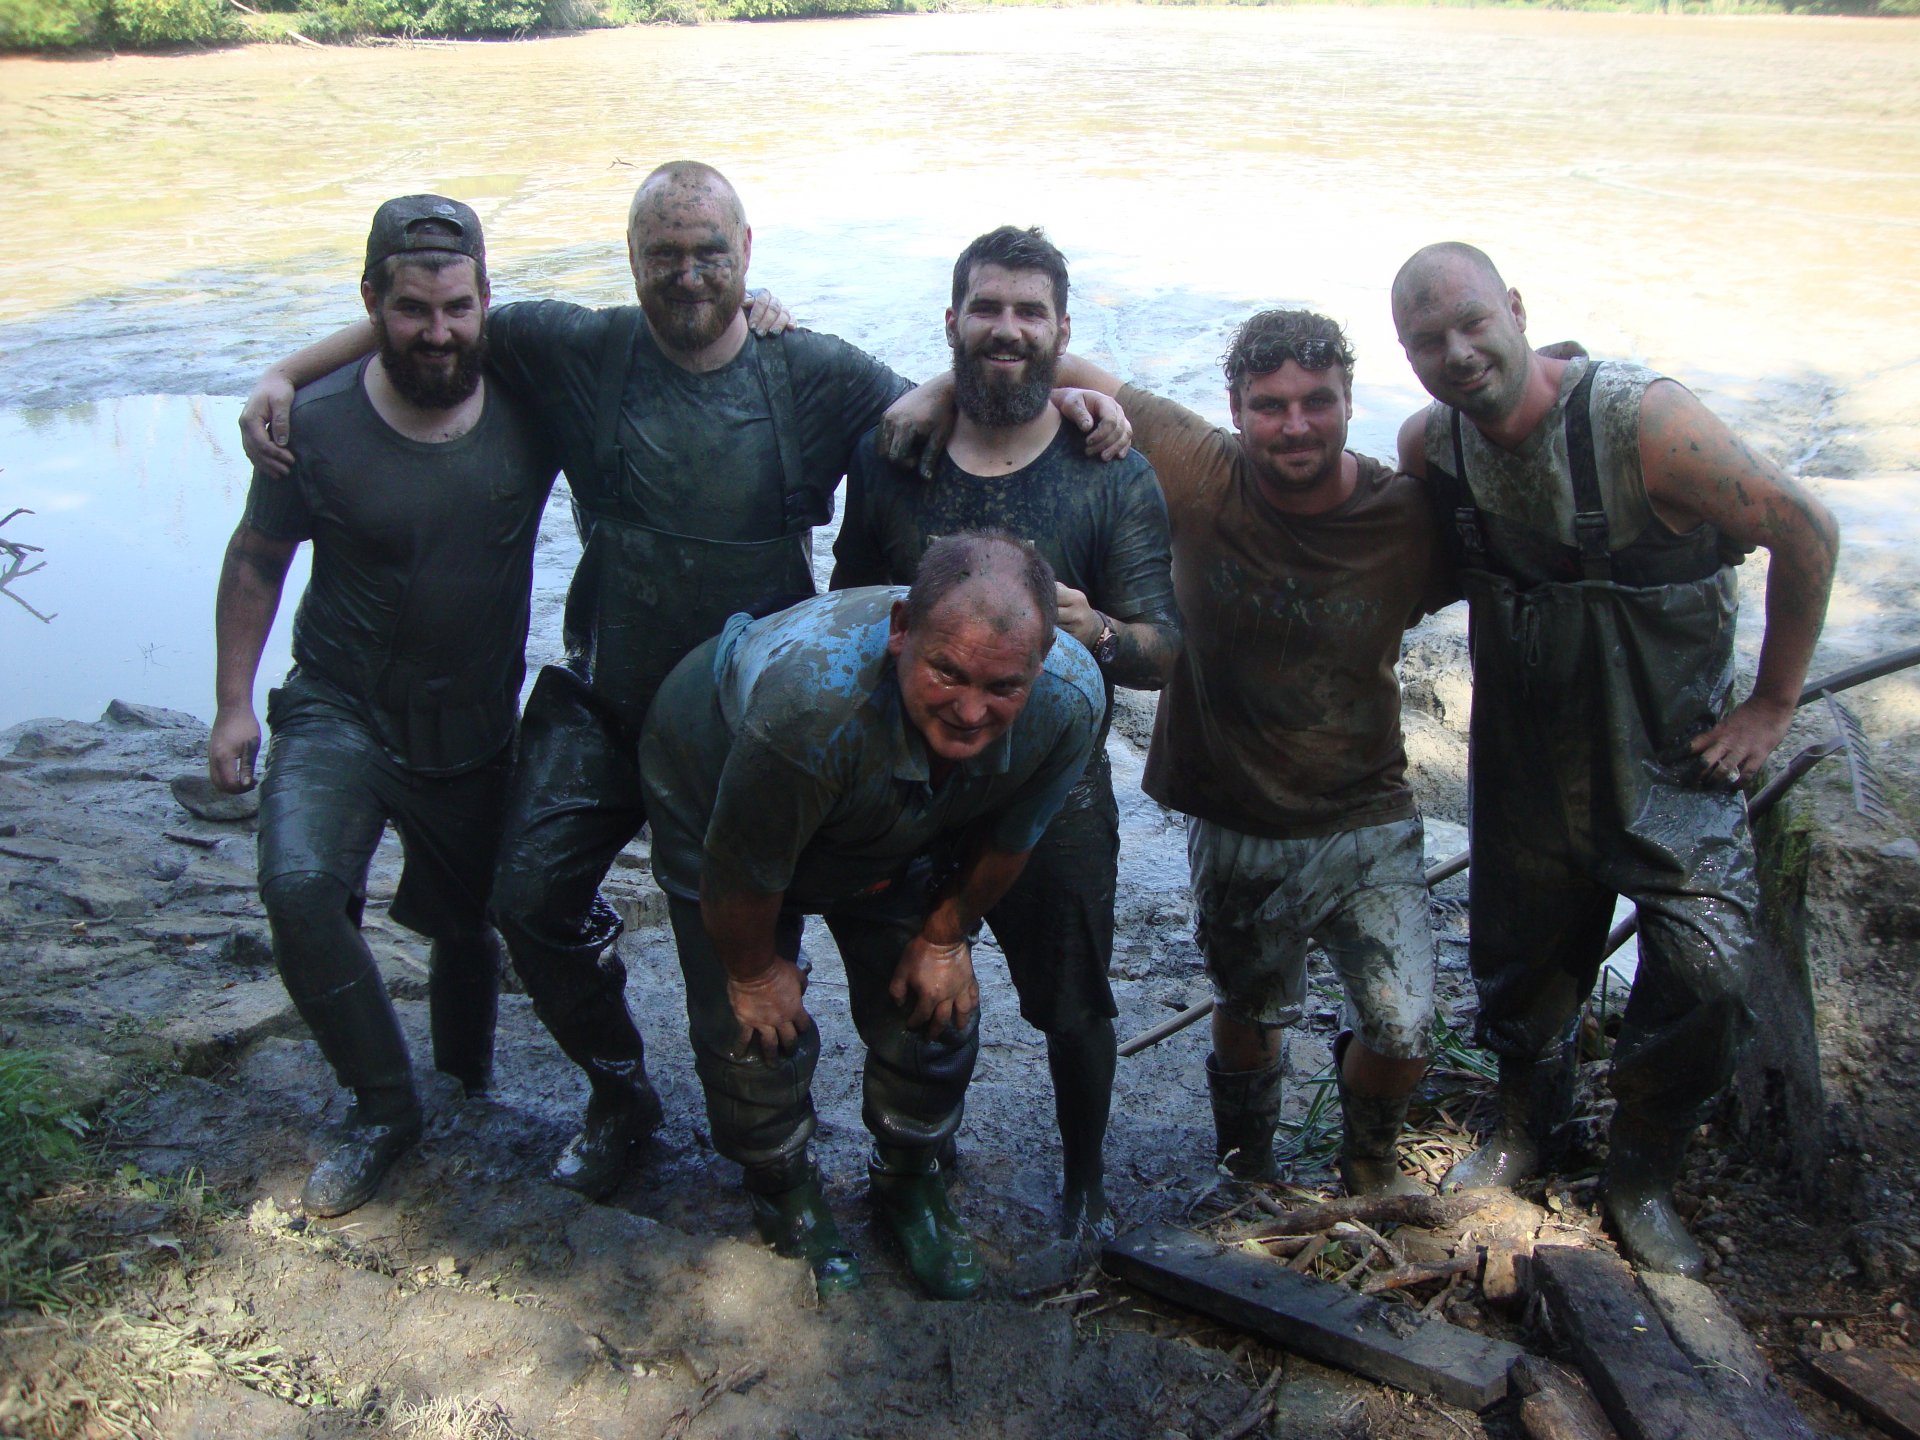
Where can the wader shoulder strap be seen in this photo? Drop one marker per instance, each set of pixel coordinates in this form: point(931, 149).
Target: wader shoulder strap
point(1589, 514)
point(776, 380)
point(1459, 517)
point(616, 363)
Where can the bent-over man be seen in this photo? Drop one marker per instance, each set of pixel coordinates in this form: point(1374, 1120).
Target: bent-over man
point(1598, 509)
point(1298, 565)
point(421, 487)
point(886, 758)
point(1012, 464)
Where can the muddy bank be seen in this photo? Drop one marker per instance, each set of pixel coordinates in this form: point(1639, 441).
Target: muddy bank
point(135, 951)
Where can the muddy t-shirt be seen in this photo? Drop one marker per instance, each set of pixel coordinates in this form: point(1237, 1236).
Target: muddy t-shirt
point(1102, 525)
point(422, 565)
point(788, 764)
point(695, 518)
point(1282, 718)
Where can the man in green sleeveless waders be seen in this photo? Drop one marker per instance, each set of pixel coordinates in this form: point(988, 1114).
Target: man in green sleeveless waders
point(1598, 509)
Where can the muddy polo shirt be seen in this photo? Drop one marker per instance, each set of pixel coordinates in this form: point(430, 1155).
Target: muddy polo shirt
point(697, 516)
point(416, 612)
point(1283, 715)
point(788, 763)
point(1101, 525)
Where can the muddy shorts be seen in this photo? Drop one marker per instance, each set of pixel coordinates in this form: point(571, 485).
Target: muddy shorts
point(1055, 926)
point(330, 789)
point(1361, 896)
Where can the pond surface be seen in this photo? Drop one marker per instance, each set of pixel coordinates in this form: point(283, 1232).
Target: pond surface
point(1736, 200)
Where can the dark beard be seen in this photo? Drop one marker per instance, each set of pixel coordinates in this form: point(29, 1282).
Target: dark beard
point(431, 390)
point(986, 399)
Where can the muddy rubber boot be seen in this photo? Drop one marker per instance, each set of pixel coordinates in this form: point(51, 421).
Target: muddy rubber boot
point(622, 1111)
point(1536, 1100)
point(1246, 1111)
point(1643, 1161)
point(463, 997)
point(1371, 1124)
point(1081, 1061)
point(795, 1221)
point(381, 1126)
point(909, 1197)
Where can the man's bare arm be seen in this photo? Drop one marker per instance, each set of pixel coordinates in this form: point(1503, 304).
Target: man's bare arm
point(1696, 469)
point(765, 987)
point(1146, 646)
point(266, 420)
point(251, 578)
point(935, 974)
point(915, 430)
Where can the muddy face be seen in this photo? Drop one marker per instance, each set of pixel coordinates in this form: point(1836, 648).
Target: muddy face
point(689, 247)
point(965, 672)
point(428, 326)
point(1007, 343)
point(1464, 336)
point(1293, 426)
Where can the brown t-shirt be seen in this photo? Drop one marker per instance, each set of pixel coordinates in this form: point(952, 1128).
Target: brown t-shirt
point(1283, 716)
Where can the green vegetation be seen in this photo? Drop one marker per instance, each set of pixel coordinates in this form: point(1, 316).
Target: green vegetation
point(160, 24)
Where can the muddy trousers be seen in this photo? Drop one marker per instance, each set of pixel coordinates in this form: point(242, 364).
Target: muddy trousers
point(762, 1114)
point(1538, 933)
point(573, 803)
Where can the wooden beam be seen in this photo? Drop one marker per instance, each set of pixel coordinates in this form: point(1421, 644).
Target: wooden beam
point(1725, 1358)
point(1873, 1387)
point(1324, 1322)
point(1645, 1384)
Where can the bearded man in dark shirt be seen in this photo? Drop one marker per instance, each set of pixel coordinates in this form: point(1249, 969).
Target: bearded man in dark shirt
point(421, 488)
point(1011, 465)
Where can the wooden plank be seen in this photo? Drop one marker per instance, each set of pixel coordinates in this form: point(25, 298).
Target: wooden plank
point(1724, 1358)
point(1557, 1403)
point(1321, 1321)
point(1878, 1391)
point(1643, 1382)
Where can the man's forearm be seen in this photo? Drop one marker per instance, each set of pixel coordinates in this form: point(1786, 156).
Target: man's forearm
point(980, 885)
point(1079, 373)
point(741, 924)
point(1798, 582)
point(248, 599)
point(1145, 654)
point(323, 357)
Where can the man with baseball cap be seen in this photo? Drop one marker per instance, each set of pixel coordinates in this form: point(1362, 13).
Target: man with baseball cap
point(421, 488)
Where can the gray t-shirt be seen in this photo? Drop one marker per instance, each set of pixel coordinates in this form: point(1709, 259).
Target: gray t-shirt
point(781, 756)
point(422, 565)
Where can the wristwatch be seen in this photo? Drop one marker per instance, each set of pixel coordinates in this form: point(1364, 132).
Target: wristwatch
point(1106, 645)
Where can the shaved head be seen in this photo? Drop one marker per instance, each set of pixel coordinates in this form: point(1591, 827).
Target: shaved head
point(1449, 258)
point(679, 181)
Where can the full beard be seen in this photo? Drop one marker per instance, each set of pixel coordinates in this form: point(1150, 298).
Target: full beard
point(692, 327)
point(997, 401)
point(426, 387)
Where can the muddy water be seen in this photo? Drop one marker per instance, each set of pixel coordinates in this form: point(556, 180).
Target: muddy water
point(1736, 200)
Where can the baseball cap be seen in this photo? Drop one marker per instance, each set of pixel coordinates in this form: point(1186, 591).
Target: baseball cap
point(423, 222)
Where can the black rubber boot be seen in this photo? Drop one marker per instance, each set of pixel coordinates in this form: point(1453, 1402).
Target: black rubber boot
point(1246, 1111)
point(1369, 1149)
point(792, 1216)
point(1081, 1061)
point(1643, 1161)
point(1536, 1101)
point(463, 995)
point(381, 1126)
point(909, 1197)
point(622, 1111)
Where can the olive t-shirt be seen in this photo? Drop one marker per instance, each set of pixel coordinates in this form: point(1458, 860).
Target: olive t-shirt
point(782, 756)
point(1101, 525)
point(416, 611)
point(1283, 715)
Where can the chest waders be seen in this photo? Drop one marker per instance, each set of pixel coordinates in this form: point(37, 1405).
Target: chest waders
point(1587, 692)
point(641, 598)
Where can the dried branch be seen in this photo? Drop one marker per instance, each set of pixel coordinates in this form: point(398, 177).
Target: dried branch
point(17, 568)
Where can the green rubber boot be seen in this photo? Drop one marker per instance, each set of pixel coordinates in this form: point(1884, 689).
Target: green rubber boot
point(1536, 1100)
point(1246, 1111)
point(1643, 1161)
point(910, 1199)
point(797, 1223)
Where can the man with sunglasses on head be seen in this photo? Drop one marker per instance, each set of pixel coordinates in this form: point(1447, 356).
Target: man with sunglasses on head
point(1297, 566)
point(1599, 510)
